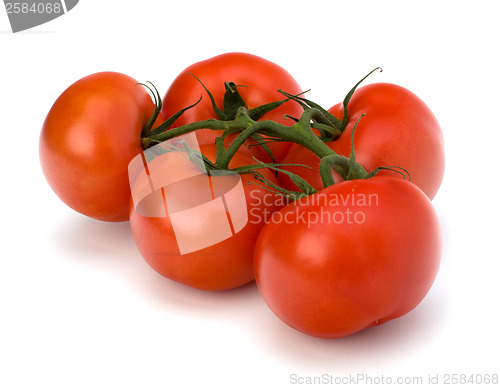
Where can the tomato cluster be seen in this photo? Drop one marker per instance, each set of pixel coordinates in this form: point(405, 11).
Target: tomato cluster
point(337, 226)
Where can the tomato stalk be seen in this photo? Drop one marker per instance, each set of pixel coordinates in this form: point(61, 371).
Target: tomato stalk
point(300, 133)
point(235, 117)
point(345, 167)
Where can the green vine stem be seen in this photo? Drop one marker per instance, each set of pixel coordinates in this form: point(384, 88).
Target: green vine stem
point(236, 118)
point(329, 163)
point(300, 132)
point(345, 167)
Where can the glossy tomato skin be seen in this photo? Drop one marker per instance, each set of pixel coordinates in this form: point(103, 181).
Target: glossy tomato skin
point(399, 129)
point(373, 262)
point(90, 135)
point(261, 77)
point(223, 266)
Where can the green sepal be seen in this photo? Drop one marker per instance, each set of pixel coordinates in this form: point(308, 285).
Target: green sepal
point(353, 172)
point(274, 188)
point(220, 113)
point(263, 143)
point(170, 121)
point(232, 101)
point(305, 103)
point(195, 156)
point(158, 104)
point(345, 103)
point(296, 98)
point(259, 111)
point(301, 183)
point(374, 172)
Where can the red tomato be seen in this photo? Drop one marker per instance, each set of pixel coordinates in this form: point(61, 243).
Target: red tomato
point(354, 255)
point(398, 130)
point(262, 78)
point(170, 242)
point(90, 135)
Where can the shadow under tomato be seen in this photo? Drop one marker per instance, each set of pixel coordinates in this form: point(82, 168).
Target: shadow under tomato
point(370, 349)
point(110, 247)
point(170, 294)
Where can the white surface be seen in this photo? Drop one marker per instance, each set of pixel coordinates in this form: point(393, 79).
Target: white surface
point(80, 308)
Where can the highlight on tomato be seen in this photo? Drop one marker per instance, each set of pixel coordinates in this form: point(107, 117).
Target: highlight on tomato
point(354, 255)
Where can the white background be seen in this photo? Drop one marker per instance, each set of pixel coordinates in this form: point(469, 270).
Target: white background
point(80, 308)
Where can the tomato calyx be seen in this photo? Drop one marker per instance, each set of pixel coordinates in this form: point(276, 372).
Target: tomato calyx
point(327, 125)
point(146, 130)
point(349, 168)
point(345, 167)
